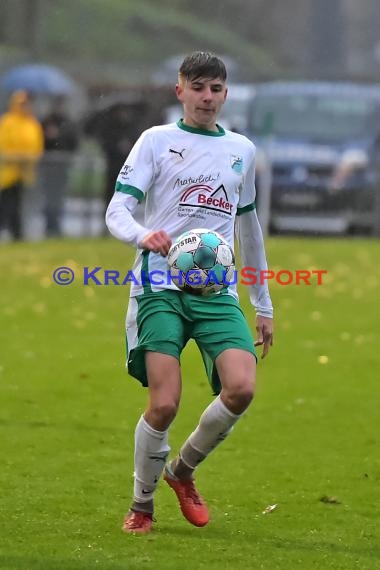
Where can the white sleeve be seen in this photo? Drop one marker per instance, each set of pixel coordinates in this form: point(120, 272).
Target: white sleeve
point(120, 220)
point(252, 253)
point(139, 169)
point(251, 242)
point(134, 180)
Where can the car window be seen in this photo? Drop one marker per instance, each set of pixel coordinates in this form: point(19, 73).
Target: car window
point(318, 117)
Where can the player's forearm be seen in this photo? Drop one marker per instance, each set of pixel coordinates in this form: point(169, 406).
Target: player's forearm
point(252, 253)
point(120, 220)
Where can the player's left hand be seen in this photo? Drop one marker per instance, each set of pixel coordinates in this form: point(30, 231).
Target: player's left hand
point(264, 329)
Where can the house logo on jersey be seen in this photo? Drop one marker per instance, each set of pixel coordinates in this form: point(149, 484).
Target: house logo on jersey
point(236, 163)
point(206, 197)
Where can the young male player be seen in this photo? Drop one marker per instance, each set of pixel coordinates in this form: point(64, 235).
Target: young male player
point(188, 174)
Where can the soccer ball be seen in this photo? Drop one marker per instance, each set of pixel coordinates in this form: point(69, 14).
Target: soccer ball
point(201, 262)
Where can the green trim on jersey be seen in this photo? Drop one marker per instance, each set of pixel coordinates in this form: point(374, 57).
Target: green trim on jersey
point(221, 132)
point(145, 272)
point(247, 208)
point(131, 190)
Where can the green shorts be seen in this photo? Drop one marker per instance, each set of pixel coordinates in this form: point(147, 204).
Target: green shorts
point(164, 322)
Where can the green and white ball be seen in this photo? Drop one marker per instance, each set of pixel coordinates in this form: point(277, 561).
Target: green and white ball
point(201, 262)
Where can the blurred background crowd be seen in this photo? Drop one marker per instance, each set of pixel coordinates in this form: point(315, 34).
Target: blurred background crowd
point(79, 81)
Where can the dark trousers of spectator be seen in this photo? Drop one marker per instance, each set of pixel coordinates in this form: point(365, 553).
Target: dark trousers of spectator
point(10, 209)
point(54, 174)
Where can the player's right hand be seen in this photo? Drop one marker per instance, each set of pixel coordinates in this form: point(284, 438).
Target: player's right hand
point(157, 241)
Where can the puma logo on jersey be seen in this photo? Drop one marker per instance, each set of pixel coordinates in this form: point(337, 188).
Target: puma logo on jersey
point(180, 153)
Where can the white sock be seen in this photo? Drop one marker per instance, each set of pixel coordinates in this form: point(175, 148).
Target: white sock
point(151, 451)
point(215, 424)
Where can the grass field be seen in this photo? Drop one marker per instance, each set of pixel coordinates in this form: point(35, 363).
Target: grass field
point(68, 411)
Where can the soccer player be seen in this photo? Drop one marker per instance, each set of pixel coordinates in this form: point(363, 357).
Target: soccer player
point(188, 174)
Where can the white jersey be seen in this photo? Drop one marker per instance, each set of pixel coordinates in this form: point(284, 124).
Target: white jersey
point(184, 178)
point(188, 182)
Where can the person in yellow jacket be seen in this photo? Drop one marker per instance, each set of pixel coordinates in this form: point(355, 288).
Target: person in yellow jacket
point(21, 146)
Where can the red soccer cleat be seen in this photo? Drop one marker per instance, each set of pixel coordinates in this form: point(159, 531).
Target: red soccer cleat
point(192, 505)
point(136, 522)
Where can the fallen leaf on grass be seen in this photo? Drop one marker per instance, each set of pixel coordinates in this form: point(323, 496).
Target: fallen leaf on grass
point(323, 359)
point(329, 500)
point(269, 509)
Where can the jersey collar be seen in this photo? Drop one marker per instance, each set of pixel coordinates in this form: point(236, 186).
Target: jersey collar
point(220, 133)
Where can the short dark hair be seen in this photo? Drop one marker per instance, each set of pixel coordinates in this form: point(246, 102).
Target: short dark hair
point(202, 64)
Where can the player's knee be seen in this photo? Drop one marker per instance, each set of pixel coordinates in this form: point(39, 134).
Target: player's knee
point(244, 395)
point(239, 397)
point(164, 412)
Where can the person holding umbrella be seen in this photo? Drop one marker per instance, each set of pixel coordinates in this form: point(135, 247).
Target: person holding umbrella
point(21, 146)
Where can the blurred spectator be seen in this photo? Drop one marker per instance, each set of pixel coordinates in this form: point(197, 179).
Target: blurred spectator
point(21, 145)
point(116, 130)
point(61, 140)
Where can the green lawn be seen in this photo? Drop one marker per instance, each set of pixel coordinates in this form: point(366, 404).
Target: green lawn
point(68, 411)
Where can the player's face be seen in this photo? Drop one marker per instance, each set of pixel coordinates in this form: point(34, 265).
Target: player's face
point(202, 100)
